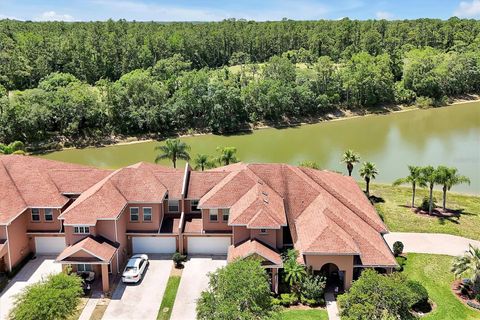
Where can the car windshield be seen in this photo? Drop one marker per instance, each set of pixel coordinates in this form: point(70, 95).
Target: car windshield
point(128, 269)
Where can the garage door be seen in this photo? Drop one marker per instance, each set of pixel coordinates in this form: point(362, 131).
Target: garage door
point(49, 245)
point(208, 245)
point(154, 244)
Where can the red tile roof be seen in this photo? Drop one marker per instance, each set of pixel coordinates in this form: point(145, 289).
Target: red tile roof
point(200, 182)
point(254, 248)
point(96, 247)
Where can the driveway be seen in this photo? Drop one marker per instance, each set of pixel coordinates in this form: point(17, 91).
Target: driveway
point(34, 271)
point(142, 300)
point(194, 281)
point(432, 243)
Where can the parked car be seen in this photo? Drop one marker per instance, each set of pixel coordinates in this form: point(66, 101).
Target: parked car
point(135, 268)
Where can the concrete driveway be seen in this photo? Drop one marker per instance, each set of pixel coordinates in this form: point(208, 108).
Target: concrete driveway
point(194, 281)
point(141, 300)
point(432, 243)
point(34, 271)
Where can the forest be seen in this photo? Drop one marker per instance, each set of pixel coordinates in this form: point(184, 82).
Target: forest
point(80, 83)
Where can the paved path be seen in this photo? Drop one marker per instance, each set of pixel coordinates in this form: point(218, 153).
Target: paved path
point(88, 309)
point(432, 243)
point(332, 308)
point(194, 281)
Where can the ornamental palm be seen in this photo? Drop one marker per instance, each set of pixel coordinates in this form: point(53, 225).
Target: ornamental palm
point(203, 161)
point(469, 264)
point(16, 147)
point(368, 171)
point(448, 177)
point(227, 155)
point(350, 158)
point(295, 273)
point(415, 177)
point(173, 149)
point(430, 176)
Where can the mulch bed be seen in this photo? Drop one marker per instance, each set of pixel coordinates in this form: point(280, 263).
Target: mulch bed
point(464, 299)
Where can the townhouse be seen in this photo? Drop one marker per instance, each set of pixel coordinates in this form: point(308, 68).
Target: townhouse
point(93, 219)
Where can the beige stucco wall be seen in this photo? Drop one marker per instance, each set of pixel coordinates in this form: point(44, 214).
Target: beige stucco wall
point(154, 225)
point(43, 225)
point(18, 239)
point(219, 225)
point(344, 263)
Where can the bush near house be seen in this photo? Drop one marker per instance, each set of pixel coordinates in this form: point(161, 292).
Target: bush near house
point(397, 248)
point(52, 299)
point(178, 259)
point(239, 290)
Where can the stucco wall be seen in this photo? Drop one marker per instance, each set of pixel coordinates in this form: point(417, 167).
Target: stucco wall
point(270, 237)
point(18, 239)
point(43, 225)
point(72, 238)
point(140, 225)
point(344, 263)
point(219, 225)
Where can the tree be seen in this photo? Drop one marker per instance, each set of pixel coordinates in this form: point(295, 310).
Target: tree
point(469, 264)
point(294, 272)
point(309, 164)
point(350, 158)
point(239, 290)
point(368, 171)
point(52, 299)
point(429, 175)
point(203, 161)
point(448, 177)
point(16, 147)
point(415, 178)
point(227, 155)
point(173, 150)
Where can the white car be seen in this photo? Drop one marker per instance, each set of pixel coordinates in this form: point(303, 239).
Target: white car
point(135, 268)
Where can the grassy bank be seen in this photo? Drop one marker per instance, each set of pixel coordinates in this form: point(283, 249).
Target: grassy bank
point(433, 271)
point(396, 212)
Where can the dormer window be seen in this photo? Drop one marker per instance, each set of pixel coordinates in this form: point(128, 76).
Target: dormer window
point(173, 206)
point(81, 229)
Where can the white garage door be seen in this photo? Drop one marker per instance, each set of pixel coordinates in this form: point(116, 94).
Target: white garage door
point(49, 245)
point(154, 244)
point(208, 245)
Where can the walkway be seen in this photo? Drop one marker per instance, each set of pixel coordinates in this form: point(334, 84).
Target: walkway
point(431, 243)
point(332, 308)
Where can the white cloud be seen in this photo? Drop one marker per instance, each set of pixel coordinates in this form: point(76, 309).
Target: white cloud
point(468, 9)
point(384, 15)
point(54, 16)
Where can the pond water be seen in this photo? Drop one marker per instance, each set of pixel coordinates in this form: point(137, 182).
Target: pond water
point(448, 136)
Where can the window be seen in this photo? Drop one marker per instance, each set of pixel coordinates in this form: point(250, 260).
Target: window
point(263, 231)
point(214, 215)
point(134, 214)
point(194, 205)
point(147, 214)
point(48, 214)
point(84, 267)
point(173, 206)
point(35, 214)
point(81, 230)
point(226, 213)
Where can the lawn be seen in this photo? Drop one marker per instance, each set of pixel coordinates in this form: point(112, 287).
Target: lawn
point(169, 298)
point(398, 216)
point(313, 314)
point(433, 271)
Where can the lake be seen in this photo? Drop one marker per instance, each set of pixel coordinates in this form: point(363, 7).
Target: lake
point(448, 136)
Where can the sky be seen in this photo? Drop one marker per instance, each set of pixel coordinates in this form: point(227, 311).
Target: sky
point(260, 10)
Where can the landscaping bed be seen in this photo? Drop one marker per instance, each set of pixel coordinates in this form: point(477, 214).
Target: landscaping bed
point(170, 294)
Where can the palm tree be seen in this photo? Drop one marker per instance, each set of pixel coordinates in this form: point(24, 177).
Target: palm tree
point(173, 149)
point(415, 177)
point(227, 155)
point(469, 264)
point(295, 273)
point(203, 161)
point(16, 147)
point(368, 171)
point(448, 177)
point(350, 158)
point(429, 175)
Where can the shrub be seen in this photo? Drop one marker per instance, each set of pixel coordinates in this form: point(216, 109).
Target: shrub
point(178, 259)
point(419, 293)
point(424, 102)
point(288, 299)
point(55, 298)
point(312, 289)
point(401, 262)
point(398, 248)
point(478, 297)
point(426, 204)
point(403, 95)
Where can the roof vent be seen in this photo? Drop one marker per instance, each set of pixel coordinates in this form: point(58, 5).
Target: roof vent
point(260, 182)
point(265, 200)
point(265, 193)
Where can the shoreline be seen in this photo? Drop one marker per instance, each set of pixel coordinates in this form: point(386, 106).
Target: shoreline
point(338, 115)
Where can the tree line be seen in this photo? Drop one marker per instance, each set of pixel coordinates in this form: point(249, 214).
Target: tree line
point(219, 77)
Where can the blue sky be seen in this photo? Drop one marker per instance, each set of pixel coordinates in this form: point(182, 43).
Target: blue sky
point(208, 10)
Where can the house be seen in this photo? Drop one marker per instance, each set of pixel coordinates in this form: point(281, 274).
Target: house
point(94, 219)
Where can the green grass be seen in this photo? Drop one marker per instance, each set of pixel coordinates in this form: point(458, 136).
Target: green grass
point(399, 217)
point(168, 298)
point(433, 271)
point(313, 314)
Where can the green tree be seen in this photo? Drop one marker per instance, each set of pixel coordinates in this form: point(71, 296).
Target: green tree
point(294, 272)
point(449, 177)
point(16, 147)
point(173, 149)
point(368, 171)
point(239, 290)
point(227, 155)
point(309, 164)
point(350, 158)
point(430, 176)
point(468, 264)
point(415, 178)
point(203, 161)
